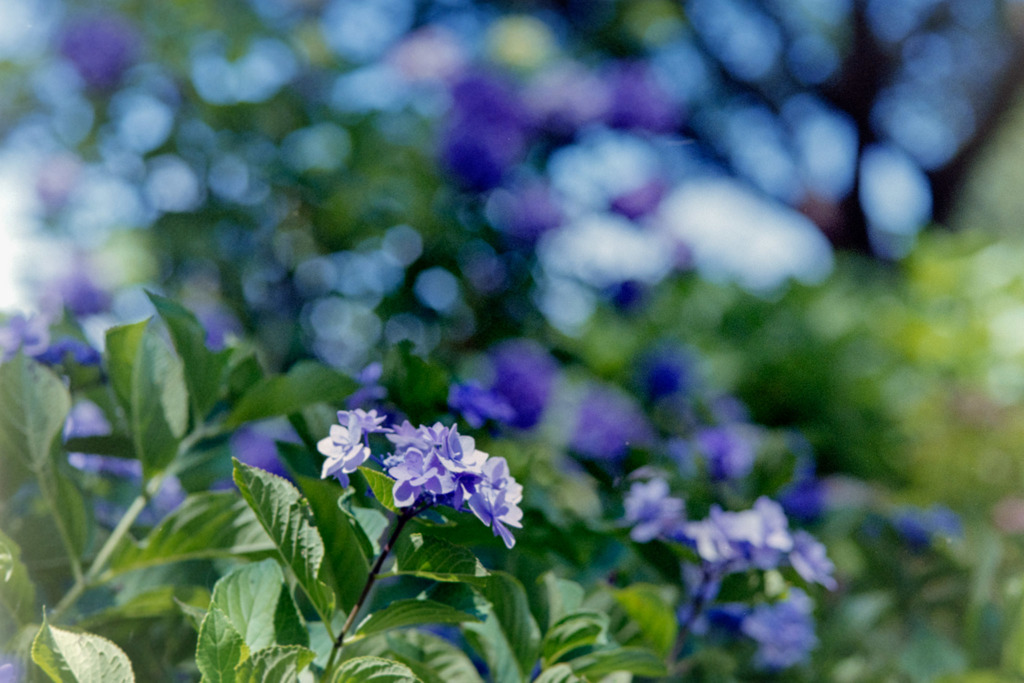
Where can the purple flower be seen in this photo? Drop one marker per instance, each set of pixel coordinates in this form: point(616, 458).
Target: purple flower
point(666, 371)
point(86, 419)
point(80, 352)
point(459, 453)
point(784, 631)
point(641, 201)
point(346, 448)
point(478, 405)
point(11, 670)
point(651, 511)
point(609, 422)
point(101, 48)
point(496, 500)
point(486, 132)
point(920, 527)
point(29, 334)
point(737, 541)
point(808, 557)
point(416, 472)
point(729, 453)
point(524, 374)
point(637, 101)
point(370, 390)
point(79, 293)
point(524, 211)
point(565, 98)
point(803, 499)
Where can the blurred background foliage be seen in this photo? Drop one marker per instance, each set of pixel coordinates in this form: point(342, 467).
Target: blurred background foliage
point(815, 203)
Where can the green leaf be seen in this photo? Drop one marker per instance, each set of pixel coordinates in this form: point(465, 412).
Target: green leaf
point(256, 600)
point(411, 613)
point(33, 406)
point(68, 657)
point(490, 641)
point(382, 486)
point(277, 664)
point(560, 673)
point(305, 383)
point(347, 562)
point(205, 370)
point(74, 517)
point(434, 558)
point(560, 597)
point(287, 518)
point(373, 670)
point(651, 610)
point(571, 632)
point(508, 600)
point(432, 659)
point(17, 592)
point(205, 525)
point(422, 386)
point(220, 648)
point(148, 379)
point(634, 660)
point(156, 602)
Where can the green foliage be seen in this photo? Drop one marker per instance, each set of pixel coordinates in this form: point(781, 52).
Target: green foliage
point(305, 384)
point(69, 657)
point(403, 613)
point(220, 648)
point(287, 519)
point(373, 670)
point(17, 592)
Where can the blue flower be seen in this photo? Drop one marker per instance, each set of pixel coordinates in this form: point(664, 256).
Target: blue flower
point(920, 527)
point(416, 472)
point(524, 374)
point(101, 48)
point(808, 557)
point(29, 334)
point(608, 424)
point(729, 453)
point(347, 448)
point(784, 631)
point(737, 541)
point(651, 511)
point(496, 500)
point(478, 405)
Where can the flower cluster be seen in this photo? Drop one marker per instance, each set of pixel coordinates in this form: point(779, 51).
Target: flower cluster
point(431, 465)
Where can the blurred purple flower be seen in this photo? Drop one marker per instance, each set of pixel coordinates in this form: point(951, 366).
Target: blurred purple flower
point(729, 452)
point(810, 560)
point(80, 352)
point(567, 97)
point(79, 293)
point(486, 132)
point(477, 405)
point(29, 334)
point(783, 631)
point(524, 374)
point(666, 371)
point(920, 527)
point(370, 390)
point(525, 211)
point(608, 424)
point(219, 323)
point(257, 447)
point(641, 201)
point(101, 47)
point(11, 670)
point(86, 419)
point(804, 499)
point(651, 511)
point(637, 101)
point(737, 541)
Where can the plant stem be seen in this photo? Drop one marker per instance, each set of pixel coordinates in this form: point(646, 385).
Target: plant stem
point(698, 606)
point(400, 522)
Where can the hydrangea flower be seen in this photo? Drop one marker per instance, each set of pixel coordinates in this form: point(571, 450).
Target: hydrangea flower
point(29, 334)
point(784, 631)
point(729, 454)
point(430, 465)
point(101, 48)
point(737, 541)
point(524, 375)
point(348, 446)
point(478, 405)
point(651, 511)
point(919, 527)
point(810, 560)
point(609, 422)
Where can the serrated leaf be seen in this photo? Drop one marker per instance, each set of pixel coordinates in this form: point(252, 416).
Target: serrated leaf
point(382, 486)
point(277, 664)
point(634, 660)
point(256, 600)
point(648, 607)
point(347, 563)
point(17, 592)
point(560, 673)
point(68, 657)
point(432, 659)
point(34, 404)
point(289, 522)
point(305, 383)
point(434, 558)
point(373, 670)
point(571, 632)
point(219, 648)
point(205, 525)
point(204, 369)
point(412, 612)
